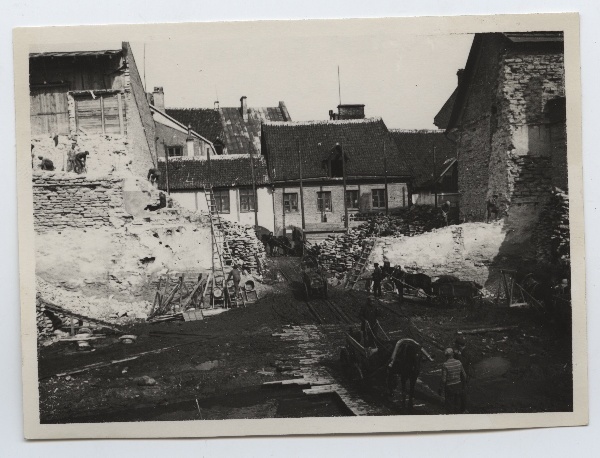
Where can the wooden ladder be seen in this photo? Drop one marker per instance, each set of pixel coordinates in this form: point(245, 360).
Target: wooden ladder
point(360, 265)
point(221, 254)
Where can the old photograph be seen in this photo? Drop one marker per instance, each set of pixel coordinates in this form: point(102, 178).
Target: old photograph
point(322, 220)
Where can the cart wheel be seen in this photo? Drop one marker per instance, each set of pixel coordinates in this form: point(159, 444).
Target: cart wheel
point(307, 292)
point(345, 360)
point(358, 376)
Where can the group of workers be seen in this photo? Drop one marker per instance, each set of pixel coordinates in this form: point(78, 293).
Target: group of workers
point(456, 369)
point(76, 159)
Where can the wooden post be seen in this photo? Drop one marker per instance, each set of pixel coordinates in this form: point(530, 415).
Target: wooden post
point(435, 179)
point(387, 210)
point(102, 113)
point(121, 120)
point(254, 189)
point(301, 184)
point(346, 225)
point(282, 208)
point(167, 168)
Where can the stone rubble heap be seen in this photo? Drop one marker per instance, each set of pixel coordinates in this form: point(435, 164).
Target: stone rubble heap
point(245, 247)
point(552, 234)
point(339, 253)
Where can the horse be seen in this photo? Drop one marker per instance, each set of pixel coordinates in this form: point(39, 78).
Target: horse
point(405, 364)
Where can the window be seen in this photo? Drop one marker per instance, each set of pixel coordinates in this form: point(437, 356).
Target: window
point(100, 114)
point(352, 199)
point(336, 168)
point(290, 202)
point(175, 151)
point(222, 200)
point(247, 200)
point(378, 198)
point(324, 201)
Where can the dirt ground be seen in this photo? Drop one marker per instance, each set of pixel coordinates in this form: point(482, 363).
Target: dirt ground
point(215, 368)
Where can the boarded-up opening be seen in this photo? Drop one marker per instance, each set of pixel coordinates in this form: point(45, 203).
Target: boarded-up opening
point(100, 115)
point(49, 109)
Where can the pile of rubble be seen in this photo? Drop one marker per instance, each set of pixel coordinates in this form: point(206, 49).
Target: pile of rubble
point(245, 247)
point(552, 235)
point(107, 308)
point(339, 253)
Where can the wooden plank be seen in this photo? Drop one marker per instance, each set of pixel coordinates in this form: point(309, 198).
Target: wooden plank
point(121, 121)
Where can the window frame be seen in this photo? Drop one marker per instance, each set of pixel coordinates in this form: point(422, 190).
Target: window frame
point(175, 147)
point(376, 192)
point(288, 206)
point(247, 194)
point(349, 203)
point(220, 196)
point(321, 202)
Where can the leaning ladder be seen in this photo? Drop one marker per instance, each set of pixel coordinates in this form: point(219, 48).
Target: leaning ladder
point(221, 254)
point(360, 265)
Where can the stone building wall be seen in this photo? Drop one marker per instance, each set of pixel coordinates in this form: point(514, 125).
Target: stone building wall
point(62, 201)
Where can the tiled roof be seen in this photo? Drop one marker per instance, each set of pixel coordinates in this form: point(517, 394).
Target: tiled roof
point(105, 52)
point(205, 121)
point(239, 134)
point(362, 141)
point(192, 172)
point(416, 146)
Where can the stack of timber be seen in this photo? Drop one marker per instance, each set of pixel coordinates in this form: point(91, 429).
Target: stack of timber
point(175, 297)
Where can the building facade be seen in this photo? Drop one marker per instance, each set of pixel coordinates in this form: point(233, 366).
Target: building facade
point(93, 98)
point(509, 122)
point(324, 157)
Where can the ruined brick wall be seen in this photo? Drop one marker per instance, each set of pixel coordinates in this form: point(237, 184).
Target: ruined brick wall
point(62, 201)
point(509, 145)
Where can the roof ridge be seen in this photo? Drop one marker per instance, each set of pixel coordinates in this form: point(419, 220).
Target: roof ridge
point(323, 122)
point(417, 131)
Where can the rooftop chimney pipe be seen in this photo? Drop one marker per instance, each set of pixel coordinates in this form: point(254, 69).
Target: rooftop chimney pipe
point(244, 108)
point(159, 98)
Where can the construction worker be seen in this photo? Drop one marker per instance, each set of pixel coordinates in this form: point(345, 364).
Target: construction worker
point(80, 161)
point(368, 314)
point(377, 278)
point(46, 163)
point(445, 211)
point(452, 384)
point(71, 156)
point(153, 176)
point(492, 208)
point(236, 276)
point(462, 354)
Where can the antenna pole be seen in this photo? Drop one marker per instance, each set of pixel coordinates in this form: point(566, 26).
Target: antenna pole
point(339, 86)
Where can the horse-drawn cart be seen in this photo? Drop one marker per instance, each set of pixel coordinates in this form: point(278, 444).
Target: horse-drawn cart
point(365, 357)
point(314, 279)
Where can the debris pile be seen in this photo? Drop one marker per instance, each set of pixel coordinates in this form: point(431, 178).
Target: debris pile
point(552, 235)
point(245, 247)
point(340, 253)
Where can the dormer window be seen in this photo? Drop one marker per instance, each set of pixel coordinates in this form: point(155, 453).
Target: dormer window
point(336, 168)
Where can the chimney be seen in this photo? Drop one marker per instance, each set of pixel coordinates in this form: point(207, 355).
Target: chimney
point(216, 105)
point(189, 142)
point(354, 111)
point(244, 108)
point(331, 115)
point(159, 98)
point(459, 75)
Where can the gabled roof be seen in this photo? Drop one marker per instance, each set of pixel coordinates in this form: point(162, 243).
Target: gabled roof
point(240, 134)
point(416, 147)
point(192, 172)
point(162, 117)
point(442, 119)
point(205, 121)
point(228, 124)
point(362, 142)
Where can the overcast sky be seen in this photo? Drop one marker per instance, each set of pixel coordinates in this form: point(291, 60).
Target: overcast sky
point(403, 78)
point(404, 81)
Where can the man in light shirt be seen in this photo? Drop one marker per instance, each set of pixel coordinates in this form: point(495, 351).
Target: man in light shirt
point(453, 380)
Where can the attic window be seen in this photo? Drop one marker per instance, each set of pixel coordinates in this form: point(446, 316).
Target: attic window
point(175, 151)
point(336, 168)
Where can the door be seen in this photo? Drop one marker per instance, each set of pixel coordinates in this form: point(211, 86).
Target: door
point(49, 110)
